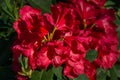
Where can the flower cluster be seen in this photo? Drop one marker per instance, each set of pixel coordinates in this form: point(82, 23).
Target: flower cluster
point(64, 36)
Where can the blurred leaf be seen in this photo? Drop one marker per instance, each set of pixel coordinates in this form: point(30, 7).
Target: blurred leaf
point(117, 21)
point(101, 74)
point(26, 62)
point(65, 78)
point(21, 60)
point(10, 8)
point(117, 4)
point(43, 4)
point(8, 4)
point(37, 75)
point(21, 3)
point(109, 3)
point(113, 75)
point(118, 13)
point(58, 72)
point(82, 77)
point(5, 32)
point(117, 70)
point(7, 12)
point(48, 75)
point(91, 55)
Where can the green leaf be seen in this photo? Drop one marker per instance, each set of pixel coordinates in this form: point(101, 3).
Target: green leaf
point(91, 55)
point(109, 3)
point(9, 6)
point(21, 2)
point(20, 60)
point(7, 12)
point(82, 77)
point(113, 75)
point(37, 75)
point(15, 11)
point(101, 74)
point(117, 70)
point(26, 62)
point(117, 22)
point(58, 72)
point(48, 75)
point(43, 4)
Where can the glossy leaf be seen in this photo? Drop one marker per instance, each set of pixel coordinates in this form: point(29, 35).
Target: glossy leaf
point(101, 74)
point(113, 75)
point(82, 77)
point(91, 55)
point(109, 3)
point(48, 75)
point(117, 70)
point(43, 4)
point(58, 72)
point(37, 75)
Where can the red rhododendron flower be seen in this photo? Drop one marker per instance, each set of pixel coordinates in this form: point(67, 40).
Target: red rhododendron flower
point(77, 48)
point(19, 77)
point(64, 36)
point(87, 12)
point(62, 17)
point(82, 66)
point(54, 53)
point(26, 50)
point(57, 52)
point(74, 68)
point(107, 60)
point(30, 24)
point(90, 70)
point(107, 41)
point(99, 2)
point(42, 60)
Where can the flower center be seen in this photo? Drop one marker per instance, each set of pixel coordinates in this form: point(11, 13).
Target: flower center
point(49, 36)
point(84, 23)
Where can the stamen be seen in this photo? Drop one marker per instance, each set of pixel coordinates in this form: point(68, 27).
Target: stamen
point(84, 23)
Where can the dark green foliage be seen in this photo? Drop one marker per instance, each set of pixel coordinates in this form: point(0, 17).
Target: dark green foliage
point(82, 77)
point(91, 55)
